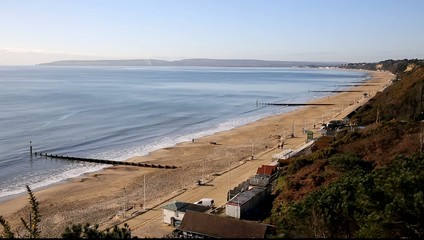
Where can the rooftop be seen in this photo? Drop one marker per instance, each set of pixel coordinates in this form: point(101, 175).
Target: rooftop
point(184, 206)
point(221, 227)
point(245, 196)
point(267, 169)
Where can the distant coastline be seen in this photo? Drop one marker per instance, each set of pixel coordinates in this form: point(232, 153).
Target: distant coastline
point(198, 62)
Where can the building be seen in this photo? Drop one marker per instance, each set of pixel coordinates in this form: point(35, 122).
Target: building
point(175, 211)
point(286, 154)
point(202, 225)
point(303, 150)
point(245, 202)
point(260, 180)
point(267, 169)
point(240, 188)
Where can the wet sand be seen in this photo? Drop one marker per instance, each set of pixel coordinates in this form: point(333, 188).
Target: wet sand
point(97, 197)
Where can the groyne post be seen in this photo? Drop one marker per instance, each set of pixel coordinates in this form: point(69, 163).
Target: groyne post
point(112, 162)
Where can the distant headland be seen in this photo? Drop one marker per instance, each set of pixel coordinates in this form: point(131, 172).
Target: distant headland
point(198, 62)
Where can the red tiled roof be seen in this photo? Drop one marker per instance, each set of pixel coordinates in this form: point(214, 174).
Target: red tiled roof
point(267, 169)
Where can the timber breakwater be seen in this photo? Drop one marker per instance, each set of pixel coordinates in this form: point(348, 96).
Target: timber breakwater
point(103, 161)
point(298, 104)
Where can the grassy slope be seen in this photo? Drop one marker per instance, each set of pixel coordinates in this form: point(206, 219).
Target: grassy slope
point(403, 100)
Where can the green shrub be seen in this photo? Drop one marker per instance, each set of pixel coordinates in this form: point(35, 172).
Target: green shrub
point(348, 162)
point(299, 163)
point(387, 202)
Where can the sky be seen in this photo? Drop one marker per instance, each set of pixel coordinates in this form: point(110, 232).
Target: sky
point(33, 32)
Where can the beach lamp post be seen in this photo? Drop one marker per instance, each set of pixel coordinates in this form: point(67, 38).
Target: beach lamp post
point(282, 138)
point(253, 145)
point(203, 171)
point(125, 201)
point(229, 189)
point(144, 192)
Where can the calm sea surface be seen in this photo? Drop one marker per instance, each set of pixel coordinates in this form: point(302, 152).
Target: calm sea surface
point(120, 112)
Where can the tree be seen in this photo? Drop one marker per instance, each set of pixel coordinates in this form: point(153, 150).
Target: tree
point(32, 226)
point(78, 231)
point(75, 231)
point(7, 233)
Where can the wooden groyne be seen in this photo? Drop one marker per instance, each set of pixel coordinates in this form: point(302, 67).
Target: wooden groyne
point(338, 91)
point(102, 161)
point(356, 85)
point(299, 104)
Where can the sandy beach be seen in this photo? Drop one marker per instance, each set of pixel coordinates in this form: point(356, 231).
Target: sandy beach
point(97, 197)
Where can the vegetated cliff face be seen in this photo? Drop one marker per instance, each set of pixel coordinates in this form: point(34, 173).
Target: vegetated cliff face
point(331, 192)
point(394, 66)
point(403, 100)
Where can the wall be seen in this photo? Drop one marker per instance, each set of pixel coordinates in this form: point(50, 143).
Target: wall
point(168, 214)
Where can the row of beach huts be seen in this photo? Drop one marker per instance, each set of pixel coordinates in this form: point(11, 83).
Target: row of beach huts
point(203, 219)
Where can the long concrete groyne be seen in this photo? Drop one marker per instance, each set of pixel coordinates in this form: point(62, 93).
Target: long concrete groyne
point(102, 161)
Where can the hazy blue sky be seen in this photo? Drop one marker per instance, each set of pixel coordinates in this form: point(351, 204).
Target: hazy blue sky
point(299, 30)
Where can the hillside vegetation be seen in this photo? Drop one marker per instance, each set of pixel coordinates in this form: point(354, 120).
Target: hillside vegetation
point(394, 66)
point(403, 100)
point(367, 183)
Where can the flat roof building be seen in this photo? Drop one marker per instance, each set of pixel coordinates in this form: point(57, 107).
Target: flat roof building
point(240, 205)
point(175, 211)
point(202, 225)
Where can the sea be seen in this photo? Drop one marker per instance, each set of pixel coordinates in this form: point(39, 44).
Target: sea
point(117, 113)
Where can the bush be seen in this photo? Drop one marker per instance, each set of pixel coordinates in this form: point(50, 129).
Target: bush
point(79, 231)
point(349, 162)
point(299, 163)
point(386, 202)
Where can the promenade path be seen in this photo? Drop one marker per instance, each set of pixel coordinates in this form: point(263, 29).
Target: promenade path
point(150, 224)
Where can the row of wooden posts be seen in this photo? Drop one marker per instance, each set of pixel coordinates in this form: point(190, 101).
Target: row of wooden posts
point(100, 161)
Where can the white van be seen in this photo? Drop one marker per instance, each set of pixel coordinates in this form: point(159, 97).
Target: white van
point(205, 202)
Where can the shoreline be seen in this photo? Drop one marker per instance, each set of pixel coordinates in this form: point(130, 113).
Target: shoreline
point(210, 131)
point(226, 124)
point(98, 195)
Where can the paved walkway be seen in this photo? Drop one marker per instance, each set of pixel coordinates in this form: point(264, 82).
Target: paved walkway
point(150, 224)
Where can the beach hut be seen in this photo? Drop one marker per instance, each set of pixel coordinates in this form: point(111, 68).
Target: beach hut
point(260, 180)
point(174, 212)
point(267, 169)
point(238, 189)
point(286, 154)
point(244, 203)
